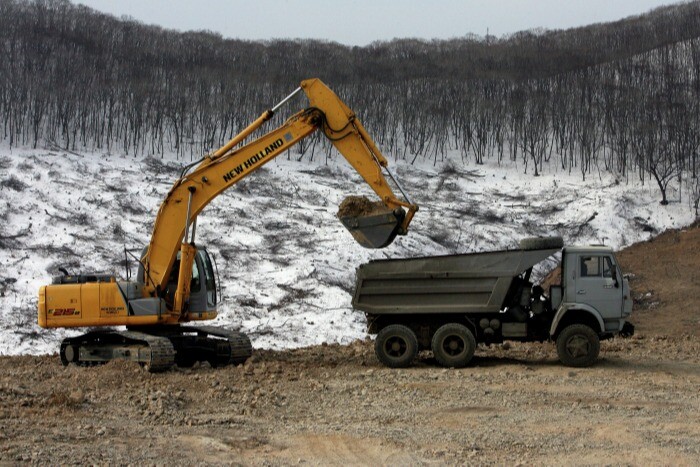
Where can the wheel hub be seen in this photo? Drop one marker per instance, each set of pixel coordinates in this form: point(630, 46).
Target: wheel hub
point(395, 346)
point(70, 353)
point(577, 346)
point(453, 345)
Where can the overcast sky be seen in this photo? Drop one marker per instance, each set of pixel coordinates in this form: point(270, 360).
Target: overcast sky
point(360, 22)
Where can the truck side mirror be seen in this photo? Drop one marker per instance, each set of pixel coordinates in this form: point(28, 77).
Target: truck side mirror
point(614, 276)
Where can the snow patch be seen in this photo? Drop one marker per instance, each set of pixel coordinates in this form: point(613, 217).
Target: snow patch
point(286, 264)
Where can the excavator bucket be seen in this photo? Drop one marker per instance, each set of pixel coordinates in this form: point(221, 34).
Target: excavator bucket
point(373, 225)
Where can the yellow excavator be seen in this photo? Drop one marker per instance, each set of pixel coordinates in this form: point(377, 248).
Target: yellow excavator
point(176, 282)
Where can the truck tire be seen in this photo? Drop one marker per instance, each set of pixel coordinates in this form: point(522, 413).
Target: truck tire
point(396, 346)
point(578, 345)
point(453, 345)
point(541, 243)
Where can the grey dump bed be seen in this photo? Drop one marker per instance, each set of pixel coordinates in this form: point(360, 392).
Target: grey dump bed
point(465, 283)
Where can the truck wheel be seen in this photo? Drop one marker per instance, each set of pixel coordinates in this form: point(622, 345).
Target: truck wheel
point(453, 345)
point(541, 243)
point(396, 346)
point(578, 345)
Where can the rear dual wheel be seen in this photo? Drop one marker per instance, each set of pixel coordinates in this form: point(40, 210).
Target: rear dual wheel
point(396, 346)
point(453, 345)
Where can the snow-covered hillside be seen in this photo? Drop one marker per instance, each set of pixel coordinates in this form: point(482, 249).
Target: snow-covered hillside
point(286, 264)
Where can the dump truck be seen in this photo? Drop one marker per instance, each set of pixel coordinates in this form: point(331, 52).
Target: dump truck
point(448, 304)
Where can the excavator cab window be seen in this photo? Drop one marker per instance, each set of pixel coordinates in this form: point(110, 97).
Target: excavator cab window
point(195, 283)
point(209, 278)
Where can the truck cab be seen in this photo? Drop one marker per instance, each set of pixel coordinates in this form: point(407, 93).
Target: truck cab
point(592, 290)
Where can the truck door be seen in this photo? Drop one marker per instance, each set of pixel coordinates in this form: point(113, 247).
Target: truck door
point(599, 285)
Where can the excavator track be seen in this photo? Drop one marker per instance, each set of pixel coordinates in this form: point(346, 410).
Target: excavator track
point(156, 353)
point(158, 348)
point(162, 351)
point(215, 345)
point(239, 348)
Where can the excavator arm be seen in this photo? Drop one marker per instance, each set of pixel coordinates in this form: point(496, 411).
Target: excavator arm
point(220, 170)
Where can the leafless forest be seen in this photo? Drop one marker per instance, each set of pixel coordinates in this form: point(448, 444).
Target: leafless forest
point(621, 97)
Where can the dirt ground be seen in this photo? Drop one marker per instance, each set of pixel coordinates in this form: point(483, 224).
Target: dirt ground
point(333, 405)
point(665, 278)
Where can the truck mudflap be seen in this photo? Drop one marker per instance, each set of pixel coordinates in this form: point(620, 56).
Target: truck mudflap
point(627, 330)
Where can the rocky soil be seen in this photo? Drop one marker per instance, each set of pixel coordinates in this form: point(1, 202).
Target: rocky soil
point(333, 405)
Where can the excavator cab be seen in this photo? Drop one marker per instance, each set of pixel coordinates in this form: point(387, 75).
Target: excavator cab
point(372, 224)
point(203, 291)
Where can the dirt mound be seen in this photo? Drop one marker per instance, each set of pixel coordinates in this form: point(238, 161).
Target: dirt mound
point(664, 274)
point(665, 281)
point(355, 206)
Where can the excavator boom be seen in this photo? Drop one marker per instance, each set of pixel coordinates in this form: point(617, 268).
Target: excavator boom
point(227, 166)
